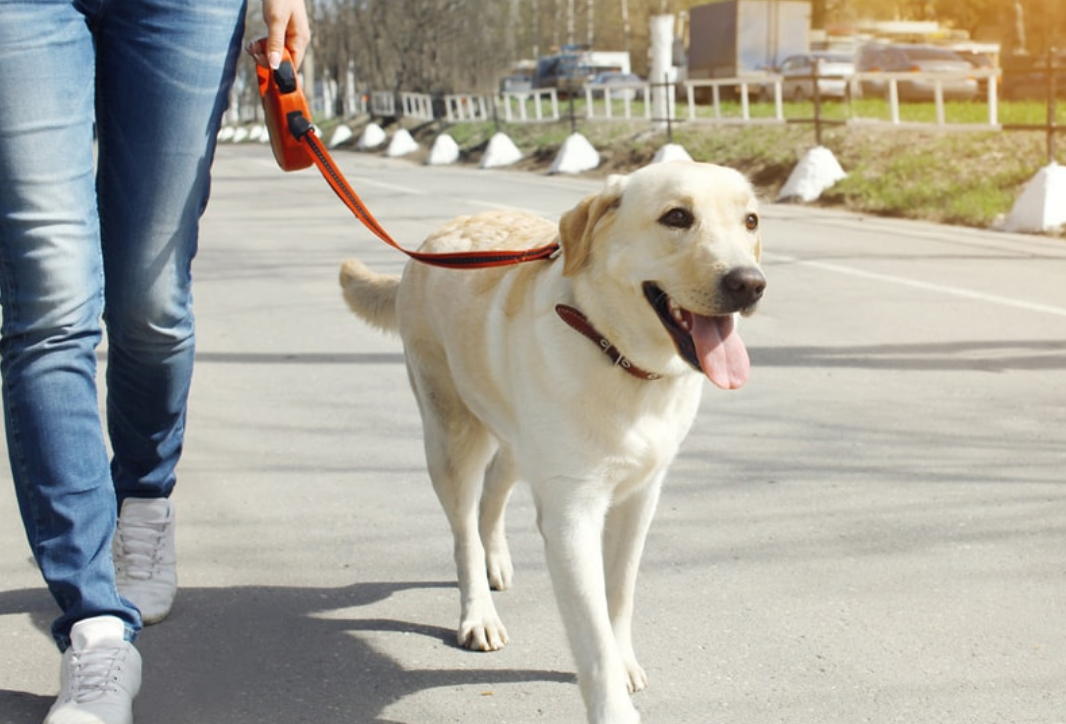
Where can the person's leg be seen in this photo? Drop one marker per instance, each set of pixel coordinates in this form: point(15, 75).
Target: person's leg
point(51, 281)
point(160, 99)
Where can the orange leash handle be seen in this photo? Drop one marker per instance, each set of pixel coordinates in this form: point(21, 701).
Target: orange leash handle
point(282, 99)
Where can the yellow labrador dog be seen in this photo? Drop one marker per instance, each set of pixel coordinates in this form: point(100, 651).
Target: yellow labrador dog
point(580, 376)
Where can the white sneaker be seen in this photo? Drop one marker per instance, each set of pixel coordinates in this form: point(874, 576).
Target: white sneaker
point(100, 675)
point(145, 560)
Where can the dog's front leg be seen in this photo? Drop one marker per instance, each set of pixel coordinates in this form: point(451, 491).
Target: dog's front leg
point(571, 520)
point(624, 535)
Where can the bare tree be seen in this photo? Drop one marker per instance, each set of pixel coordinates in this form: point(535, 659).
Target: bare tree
point(429, 46)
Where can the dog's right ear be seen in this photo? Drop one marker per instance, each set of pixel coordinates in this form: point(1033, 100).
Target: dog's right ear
point(576, 226)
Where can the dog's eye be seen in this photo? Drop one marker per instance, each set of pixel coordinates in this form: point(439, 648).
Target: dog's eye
point(677, 219)
point(751, 221)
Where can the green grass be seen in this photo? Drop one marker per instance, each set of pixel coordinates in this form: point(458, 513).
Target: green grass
point(957, 178)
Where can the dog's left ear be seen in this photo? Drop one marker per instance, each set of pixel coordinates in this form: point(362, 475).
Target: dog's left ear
point(576, 226)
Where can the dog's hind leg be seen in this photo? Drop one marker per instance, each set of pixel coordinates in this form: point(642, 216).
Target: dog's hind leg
point(458, 449)
point(624, 535)
point(499, 482)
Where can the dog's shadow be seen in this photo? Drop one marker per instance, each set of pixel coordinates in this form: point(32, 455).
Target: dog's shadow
point(271, 654)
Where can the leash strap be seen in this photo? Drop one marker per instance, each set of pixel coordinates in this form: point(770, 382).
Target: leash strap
point(302, 129)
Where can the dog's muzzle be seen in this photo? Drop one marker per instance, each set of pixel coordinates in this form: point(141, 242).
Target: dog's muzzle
point(709, 343)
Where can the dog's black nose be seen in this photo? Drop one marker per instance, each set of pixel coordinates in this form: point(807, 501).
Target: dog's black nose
point(744, 286)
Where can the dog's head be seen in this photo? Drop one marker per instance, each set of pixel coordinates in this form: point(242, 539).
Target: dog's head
point(662, 259)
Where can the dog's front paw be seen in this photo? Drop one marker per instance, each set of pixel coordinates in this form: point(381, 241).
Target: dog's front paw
point(482, 631)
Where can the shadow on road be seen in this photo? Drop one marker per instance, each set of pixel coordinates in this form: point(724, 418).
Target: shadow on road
point(267, 654)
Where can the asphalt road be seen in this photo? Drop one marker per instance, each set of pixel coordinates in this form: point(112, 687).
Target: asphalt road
point(872, 530)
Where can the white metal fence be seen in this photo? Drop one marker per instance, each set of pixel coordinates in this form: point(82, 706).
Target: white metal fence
point(537, 105)
point(466, 107)
point(416, 106)
point(691, 101)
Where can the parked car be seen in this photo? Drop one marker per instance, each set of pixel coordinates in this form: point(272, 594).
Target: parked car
point(924, 59)
point(628, 86)
point(567, 73)
point(979, 61)
point(797, 82)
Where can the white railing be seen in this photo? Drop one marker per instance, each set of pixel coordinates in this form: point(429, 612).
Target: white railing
point(746, 88)
point(383, 104)
point(466, 107)
point(417, 106)
point(742, 89)
point(892, 82)
point(616, 101)
point(541, 104)
point(632, 101)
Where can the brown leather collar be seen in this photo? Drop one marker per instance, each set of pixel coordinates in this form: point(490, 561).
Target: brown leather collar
point(580, 322)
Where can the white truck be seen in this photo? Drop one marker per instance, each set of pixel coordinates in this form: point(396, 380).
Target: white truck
point(742, 38)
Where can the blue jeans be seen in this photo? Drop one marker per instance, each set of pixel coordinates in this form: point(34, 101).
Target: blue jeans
point(113, 240)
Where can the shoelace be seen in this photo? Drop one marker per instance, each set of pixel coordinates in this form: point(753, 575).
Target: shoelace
point(95, 672)
point(141, 543)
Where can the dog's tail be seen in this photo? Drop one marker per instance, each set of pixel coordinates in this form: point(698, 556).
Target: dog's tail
point(370, 295)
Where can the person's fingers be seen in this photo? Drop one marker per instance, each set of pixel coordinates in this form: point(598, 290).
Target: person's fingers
point(287, 27)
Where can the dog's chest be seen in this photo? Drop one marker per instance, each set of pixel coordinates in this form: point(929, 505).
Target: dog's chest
point(651, 438)
point(623, 440)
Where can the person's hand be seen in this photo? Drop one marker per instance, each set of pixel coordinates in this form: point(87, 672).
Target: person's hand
point(287, 27)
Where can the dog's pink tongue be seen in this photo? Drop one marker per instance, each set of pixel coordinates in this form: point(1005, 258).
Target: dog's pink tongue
point(721, 351)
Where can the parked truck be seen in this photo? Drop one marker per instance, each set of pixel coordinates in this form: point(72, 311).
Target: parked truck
point(572, 67)
point(745, 38)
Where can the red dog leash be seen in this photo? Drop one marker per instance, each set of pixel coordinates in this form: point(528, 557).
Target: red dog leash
point(297, 146)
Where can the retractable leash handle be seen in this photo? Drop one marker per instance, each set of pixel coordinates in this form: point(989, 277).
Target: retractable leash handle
point(297, 146)
point(284, 104)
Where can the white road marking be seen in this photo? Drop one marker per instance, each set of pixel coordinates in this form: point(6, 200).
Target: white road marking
point(928, 286)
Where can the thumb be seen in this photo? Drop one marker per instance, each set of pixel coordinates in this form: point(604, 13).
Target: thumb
point(275, 44)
